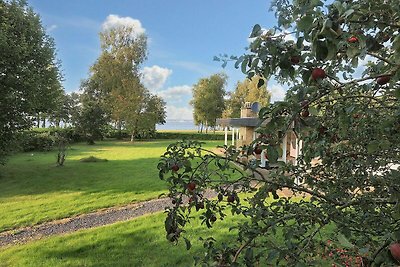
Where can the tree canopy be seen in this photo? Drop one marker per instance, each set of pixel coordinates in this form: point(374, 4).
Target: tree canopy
point(29, 72)
point(115, 79)
point(208, 99)
point(250, 90)
point(342, 70)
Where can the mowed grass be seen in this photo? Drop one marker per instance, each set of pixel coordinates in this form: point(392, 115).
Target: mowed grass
point(139, 242)
point(34, 190)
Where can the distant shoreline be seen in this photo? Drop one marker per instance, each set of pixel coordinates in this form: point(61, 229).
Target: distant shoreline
point(177, 125)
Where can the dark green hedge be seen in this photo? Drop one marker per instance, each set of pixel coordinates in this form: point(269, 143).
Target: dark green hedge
point(191, 136)
point(44, 139)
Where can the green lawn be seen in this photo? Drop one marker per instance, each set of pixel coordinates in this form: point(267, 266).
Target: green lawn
point(34, 190)
point(139, 242)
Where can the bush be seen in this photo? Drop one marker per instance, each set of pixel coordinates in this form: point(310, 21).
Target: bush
point(190, 136)
point(43, 139)
point(32, 141)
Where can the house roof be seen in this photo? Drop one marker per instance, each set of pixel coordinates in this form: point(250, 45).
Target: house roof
point(239, 122)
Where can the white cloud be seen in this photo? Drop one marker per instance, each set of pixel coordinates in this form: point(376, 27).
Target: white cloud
point(176, 92)
point(277, 92)
point(179, 113)
point(114, 21)
point(155, 77)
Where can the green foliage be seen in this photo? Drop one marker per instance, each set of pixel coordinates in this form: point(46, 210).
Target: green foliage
point(250, 90)
point(190, 136)
point(92, 119)
point(33, 141)
point(115, 82)
point(30, 77)
point(347, 114)
point(208, 99)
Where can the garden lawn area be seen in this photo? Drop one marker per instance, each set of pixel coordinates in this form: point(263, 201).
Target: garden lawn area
point(139, 242)
point(34, 190)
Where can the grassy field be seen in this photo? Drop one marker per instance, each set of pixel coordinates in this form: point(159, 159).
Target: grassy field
point(34, 190)
point(139, 242)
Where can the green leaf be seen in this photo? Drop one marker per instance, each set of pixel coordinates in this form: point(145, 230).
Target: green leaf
point(373, 147)
point(344, 242)
point(348, 12)
point(188, 244)
point(272, 154)
point(256, 31)
point(305, 23)
point(396, 211)
point(260, 83)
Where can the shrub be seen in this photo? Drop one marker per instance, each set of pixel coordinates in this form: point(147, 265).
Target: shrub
point(31, 141)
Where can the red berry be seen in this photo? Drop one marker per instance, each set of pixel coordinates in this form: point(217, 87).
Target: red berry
point(318, 73)
point(352, 40)
point(230, 198)
point(295, 60)
point(175, 168)
point(395, 251)
point(191, 186)
point(386, 37)
point(257, 150)
point(383, 80)
point(305, 113)
point(213, 218)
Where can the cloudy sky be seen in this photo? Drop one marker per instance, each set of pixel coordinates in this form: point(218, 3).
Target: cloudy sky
point(184, 36)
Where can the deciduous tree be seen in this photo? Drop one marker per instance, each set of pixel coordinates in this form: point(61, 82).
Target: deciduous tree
point(208, 99)
point(29, 73)
point(343, 206)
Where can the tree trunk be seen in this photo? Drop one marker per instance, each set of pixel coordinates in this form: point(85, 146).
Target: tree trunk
point(43, 121)
point(119, 126)
point(201, 128)
point(38, 120)
point(206, 126)
point(133, 136)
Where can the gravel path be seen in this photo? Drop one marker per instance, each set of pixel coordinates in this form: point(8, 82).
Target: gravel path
point(85, 221)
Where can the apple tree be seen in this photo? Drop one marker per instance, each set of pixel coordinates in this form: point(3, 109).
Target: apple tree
point(342, 70)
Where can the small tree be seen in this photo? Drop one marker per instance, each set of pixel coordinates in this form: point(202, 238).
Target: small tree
point(343, 74)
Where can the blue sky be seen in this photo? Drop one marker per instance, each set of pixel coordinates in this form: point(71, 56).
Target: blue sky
point(184, 36)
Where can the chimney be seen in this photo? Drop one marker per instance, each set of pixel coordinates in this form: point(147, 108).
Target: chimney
point(246, 112)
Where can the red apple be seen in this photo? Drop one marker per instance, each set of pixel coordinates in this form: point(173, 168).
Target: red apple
point(395, 251)
point(318, 73)
point(191, 186)
point(295, 60)
point(305, 113)
point(230, 198)
point(175, 168)
point(383, 80)
point(352, 40)
point(257, 150)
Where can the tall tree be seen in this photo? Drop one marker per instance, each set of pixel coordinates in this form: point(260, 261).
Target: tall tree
point(117, 79)
point(92, 118)
point(208, 99)
point(29, 73)
point(250, 90)
point(343, 206)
